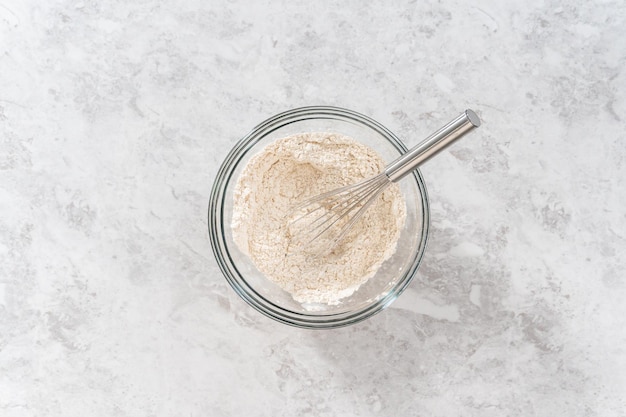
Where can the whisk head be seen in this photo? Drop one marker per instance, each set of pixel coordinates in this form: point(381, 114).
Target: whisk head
point(319, 223)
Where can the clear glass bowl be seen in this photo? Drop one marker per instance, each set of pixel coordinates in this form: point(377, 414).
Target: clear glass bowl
point(380, 290)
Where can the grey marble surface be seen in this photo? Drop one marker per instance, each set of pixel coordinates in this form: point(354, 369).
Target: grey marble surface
point(116, 115)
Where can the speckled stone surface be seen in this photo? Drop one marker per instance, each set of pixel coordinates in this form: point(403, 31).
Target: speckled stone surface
point(115, 116)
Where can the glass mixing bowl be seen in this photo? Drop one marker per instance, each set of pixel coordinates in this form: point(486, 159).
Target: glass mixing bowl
point(265, 296)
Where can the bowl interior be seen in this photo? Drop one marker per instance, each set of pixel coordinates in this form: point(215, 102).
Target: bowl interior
point(379, 290)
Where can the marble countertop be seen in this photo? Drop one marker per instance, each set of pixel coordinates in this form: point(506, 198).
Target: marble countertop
point(116, 115)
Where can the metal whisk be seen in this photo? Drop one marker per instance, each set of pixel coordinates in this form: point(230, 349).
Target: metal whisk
point(332, 214)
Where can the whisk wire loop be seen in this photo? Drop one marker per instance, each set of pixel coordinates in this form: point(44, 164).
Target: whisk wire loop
point(337, 209)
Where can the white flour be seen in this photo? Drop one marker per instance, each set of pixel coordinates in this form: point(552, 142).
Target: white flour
point(290, 170)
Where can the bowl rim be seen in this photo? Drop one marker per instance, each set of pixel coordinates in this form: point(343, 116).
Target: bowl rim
point(216, 225)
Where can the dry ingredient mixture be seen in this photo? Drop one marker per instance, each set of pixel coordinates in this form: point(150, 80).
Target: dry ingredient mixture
point(291, 170)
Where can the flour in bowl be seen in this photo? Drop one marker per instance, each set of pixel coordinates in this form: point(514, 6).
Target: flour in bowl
point(285, 173)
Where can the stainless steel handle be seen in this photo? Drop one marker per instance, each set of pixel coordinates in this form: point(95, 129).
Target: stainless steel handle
point(432, 145)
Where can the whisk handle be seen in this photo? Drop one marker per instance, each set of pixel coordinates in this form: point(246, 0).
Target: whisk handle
point(432, 145)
